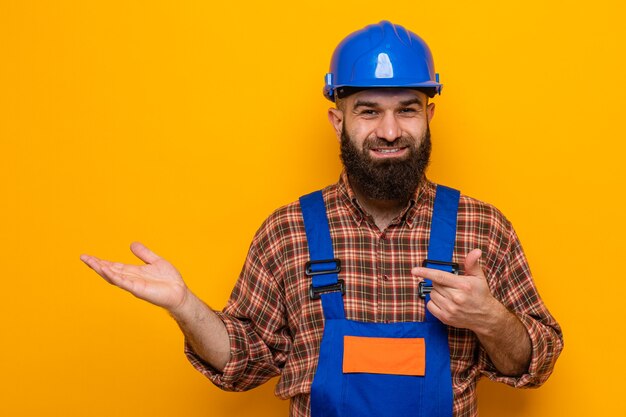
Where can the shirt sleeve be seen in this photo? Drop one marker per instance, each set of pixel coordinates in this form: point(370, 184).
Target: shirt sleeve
point(255, 321)
point(516, 289)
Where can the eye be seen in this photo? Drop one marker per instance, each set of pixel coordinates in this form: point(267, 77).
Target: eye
point(368, 112)
point(408, 110)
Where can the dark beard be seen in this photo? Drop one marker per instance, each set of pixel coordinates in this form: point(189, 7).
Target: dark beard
point(386, 179)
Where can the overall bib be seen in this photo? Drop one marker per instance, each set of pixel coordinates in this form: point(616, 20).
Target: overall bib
point(379, 369)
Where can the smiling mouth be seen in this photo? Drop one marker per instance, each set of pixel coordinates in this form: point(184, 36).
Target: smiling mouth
point(388, 151)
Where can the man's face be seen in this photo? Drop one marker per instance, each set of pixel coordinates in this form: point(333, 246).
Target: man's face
point(385, 140)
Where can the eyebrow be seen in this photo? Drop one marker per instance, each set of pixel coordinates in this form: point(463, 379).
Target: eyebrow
point(361, 103)
point(404, 103)
point(408, 102)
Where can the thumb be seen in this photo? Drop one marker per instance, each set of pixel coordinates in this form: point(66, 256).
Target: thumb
point(143, 253)
point(472, 265)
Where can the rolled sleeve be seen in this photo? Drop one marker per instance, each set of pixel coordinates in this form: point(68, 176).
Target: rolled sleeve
point(237, 364)
point(546, 345)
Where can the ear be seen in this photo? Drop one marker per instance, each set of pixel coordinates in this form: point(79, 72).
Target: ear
point(335, 117)
point(430, 111)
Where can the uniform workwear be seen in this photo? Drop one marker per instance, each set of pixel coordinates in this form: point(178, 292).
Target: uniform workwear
point(275, 329)
point(379, 369)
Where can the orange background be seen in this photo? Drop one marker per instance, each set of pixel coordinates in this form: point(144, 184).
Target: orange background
point(184, 124)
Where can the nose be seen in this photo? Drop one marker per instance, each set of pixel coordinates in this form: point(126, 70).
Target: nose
point(388, 128)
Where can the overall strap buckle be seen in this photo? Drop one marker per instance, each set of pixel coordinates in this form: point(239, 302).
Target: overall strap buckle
point(324, 267)
point(316, 292)
point(426, 287)
point(313, 268)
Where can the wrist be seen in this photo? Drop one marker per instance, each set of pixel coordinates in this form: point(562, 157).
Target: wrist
point(496, 320)
point(184, 311)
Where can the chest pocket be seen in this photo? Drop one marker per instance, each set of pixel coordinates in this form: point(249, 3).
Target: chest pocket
point(384, 355)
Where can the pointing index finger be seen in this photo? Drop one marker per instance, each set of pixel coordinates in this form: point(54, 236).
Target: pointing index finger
point(438, 277)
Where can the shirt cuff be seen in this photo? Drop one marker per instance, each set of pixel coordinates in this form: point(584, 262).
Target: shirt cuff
point(544, 352)
point(237, 363)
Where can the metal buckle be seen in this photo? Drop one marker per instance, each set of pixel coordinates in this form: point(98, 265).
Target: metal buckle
point(315, 292)
point(422, 288)
point(309, 271)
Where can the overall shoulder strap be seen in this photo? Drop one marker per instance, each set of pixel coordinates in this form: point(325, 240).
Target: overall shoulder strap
point(442, 235)
point(323, 267)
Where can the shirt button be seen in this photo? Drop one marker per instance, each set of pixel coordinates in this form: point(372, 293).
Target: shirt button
point(385, 277)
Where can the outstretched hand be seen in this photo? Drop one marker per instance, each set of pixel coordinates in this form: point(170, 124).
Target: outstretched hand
point(157, 282)
point(461, 301)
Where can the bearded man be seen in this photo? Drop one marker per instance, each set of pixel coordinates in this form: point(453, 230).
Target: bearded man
point(383, 294)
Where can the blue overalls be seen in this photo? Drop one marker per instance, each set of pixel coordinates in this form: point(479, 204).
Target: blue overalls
point(379, 369)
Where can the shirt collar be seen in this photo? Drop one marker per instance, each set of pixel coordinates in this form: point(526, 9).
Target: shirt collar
point(422, 199)
point(349, 198)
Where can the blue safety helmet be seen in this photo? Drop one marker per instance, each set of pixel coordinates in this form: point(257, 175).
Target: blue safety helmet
point(382, 55)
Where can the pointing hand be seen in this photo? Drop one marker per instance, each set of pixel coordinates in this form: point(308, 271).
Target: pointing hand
point(461, 301)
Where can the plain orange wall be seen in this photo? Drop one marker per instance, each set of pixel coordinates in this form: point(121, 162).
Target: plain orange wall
point(184, 124)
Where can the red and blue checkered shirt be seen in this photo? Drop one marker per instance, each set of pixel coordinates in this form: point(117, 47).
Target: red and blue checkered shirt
point(276, 329)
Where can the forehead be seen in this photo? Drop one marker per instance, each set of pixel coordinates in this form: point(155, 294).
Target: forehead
point(386, 96)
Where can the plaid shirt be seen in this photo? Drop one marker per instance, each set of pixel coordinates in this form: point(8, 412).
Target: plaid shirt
point(275, 329)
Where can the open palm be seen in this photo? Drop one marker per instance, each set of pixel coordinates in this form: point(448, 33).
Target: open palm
point(157, 282)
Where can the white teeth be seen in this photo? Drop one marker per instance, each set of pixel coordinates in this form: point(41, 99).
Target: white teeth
point(388, 150)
